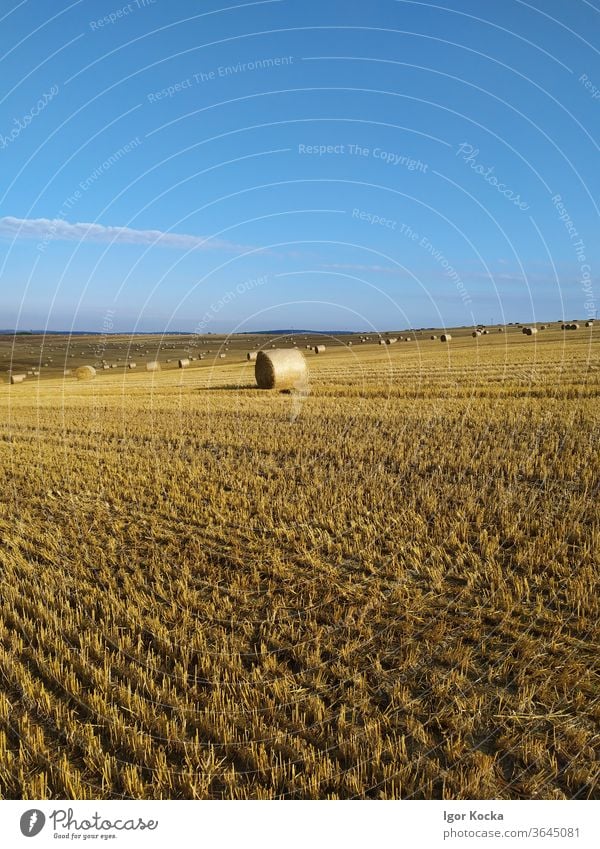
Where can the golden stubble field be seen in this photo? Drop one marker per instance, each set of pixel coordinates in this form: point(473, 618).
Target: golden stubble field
point(385, 589)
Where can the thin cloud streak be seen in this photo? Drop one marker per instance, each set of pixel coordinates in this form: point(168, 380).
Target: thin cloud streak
point(51, 229)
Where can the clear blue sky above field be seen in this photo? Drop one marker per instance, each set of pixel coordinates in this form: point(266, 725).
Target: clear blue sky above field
point(205, 166)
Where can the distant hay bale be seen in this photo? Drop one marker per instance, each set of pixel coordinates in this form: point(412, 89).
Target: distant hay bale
point(573, 327)
point(563, 327)
point(542, 327)
point(105, 367)
point(391, 340)
point(445, 337)
point(319, 349)
point(153, 365)
point(251, 355)
point(500, 330)
point(17, 378)
point(486, 332)
point(382, 341)
point(349, 343)
point(433, 338)
point(222, 356)
point(589, 324)
point(476, 333)
point(408, 339)
point(308, 347)
point(184, 362)
point(132, 365)
point(281, 369)
point(530, 331)
point(85, 373)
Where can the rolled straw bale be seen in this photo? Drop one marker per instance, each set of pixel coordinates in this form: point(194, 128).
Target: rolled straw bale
point(476, 333)
point(319, 349)
point(500, 330)
point(281, 369)
point(382, 341)
point(153, 365)
point(486, 332)
point(445, 337)
point(589, 324)
point(251, 355)
point(184, 362)
point(530, 331)
point(391, 340)
point(433, 338)
point(573, 327)
point(132, 365)
point(17, 378)
point(85, 373)
point(542, 327)
point(222, 356)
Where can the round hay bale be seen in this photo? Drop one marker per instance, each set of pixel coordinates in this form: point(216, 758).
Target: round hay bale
point(222, 356)
point(105, 368)
point(563, 327)
point(319, 349)
point(574, 327)
point(445, 337)
point(500, 330)
point(525, 331)
point(408, 339)
point(476, 333)
point(85, 373)
point(251, 355)
point(382, 342)
point(16, 378)
point(281, 369)
point(153, 365)
point(486, 332)
point(184, 362)
point(433, 338)
point(132, 365)
point(589, 324)
point(542, 327)
point(391, 340)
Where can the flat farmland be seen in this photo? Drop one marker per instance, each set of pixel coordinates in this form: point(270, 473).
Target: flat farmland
point(383, 587)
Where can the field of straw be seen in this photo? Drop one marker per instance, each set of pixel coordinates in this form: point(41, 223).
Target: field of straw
point(385, 587)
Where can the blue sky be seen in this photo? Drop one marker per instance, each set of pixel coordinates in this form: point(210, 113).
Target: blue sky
point(176, 166)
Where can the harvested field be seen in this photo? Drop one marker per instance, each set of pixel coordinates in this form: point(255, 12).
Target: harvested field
point(385, 589)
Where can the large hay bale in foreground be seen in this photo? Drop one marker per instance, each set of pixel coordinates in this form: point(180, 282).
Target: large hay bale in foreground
point(283, 368)
point(251, 355)
point(153, 365)
point(85, 373)
point(184, 362)
point(319, 349)
point(445, 337)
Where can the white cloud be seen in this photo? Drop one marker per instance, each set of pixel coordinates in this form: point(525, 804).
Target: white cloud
point(49, 229)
